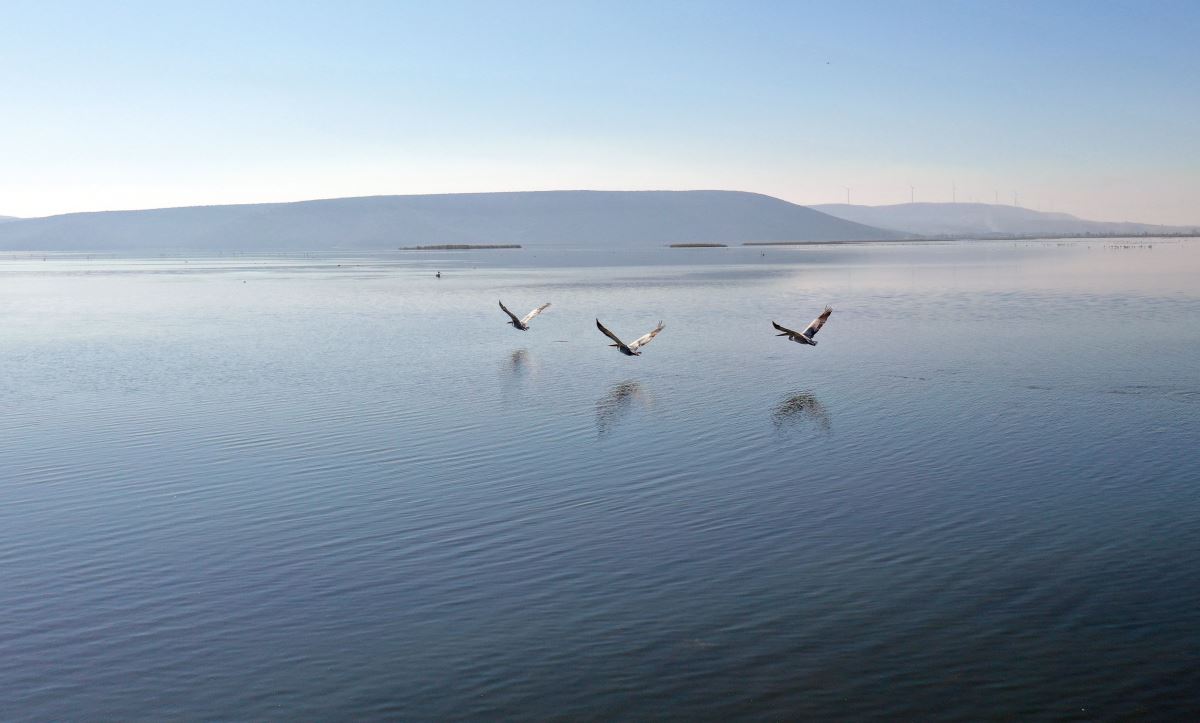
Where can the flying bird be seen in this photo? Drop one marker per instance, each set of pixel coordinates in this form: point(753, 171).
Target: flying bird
point(806, 336)
point(630, 349)
point(523, 324)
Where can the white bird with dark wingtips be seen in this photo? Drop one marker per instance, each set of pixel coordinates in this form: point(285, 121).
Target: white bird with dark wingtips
point(523, 324)
point(630, 349)
point(806, 336)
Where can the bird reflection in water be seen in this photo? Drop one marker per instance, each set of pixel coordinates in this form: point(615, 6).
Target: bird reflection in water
point(518, 363)
point(517, 371)
point(802, 408)
point(616, 404)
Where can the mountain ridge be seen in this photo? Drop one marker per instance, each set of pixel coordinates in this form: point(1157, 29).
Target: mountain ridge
point(983, 220)
point(616, 219)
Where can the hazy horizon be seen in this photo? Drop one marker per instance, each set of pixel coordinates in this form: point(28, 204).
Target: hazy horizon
point(1075, 107)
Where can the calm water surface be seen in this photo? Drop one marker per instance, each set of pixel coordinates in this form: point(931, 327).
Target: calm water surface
point(296, 487)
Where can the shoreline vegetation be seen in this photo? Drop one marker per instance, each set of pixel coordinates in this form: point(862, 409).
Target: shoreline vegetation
point(827, 243)
point(459, 247)
point(1056, 236)
point(998, 237)
point(44, 254)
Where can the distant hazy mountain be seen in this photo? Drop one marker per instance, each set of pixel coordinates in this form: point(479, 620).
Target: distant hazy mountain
point(7, 218)
point(619, 219)
point(981, 220)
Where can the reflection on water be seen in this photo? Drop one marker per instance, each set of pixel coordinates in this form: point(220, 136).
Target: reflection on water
point(518, 364)
point(518, 369)
point(802, 408)
point(615, 405)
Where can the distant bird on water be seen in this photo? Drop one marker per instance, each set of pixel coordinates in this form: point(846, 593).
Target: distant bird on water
point(523, 324)
point(630, 349)
point(806, 336)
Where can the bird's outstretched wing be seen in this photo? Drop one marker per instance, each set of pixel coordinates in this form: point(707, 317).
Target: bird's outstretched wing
point(535, 312)
point(785, 330)
point(645, 339)
point(510, 314)
point(818, 322)
point(610, 335)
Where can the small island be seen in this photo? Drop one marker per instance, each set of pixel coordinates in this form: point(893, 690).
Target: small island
point(459, 247)
point(809, 243)
point(699, 246)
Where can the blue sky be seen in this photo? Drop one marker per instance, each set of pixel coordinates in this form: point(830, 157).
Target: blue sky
point(1087, 107)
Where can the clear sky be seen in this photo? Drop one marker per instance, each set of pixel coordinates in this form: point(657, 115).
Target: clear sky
point(1087, 107)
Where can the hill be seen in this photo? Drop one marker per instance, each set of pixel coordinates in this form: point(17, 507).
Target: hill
point(617, 219)
point(7, 218)
point(982, 220)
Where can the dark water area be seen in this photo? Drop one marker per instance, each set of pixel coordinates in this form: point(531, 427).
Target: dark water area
point(338, 487)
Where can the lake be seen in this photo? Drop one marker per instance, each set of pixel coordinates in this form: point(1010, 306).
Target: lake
point(334, 486)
